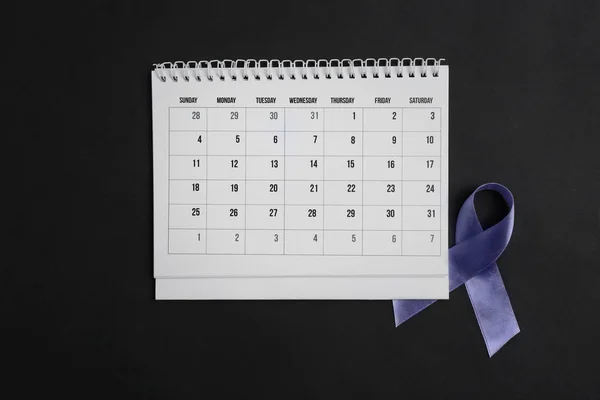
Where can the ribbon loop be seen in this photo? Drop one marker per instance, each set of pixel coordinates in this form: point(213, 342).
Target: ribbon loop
point(472, 262)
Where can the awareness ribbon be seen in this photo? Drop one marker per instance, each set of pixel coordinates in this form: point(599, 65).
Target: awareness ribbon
point(472, 262)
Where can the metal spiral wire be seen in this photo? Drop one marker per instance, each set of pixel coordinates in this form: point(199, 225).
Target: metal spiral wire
point(234, 70)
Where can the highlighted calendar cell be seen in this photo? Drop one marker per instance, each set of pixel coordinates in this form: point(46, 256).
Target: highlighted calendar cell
point(382, 120)
point(304, 168)
point(264, 241)
point(226, 167)
point(187, 241)
point(266, 192)
point(265, 119)
point(230, 143)
point(304, 242)
point(187, 192)
point(380, 243)
point(187, 167)
point(304, 143)
point(342, 119)
point(382, 218)
point(304, 119)
point(303, 192)
point(343, 168)
point(421, 243)
point(378, 193)
point(231, 216)
point(421, 168)
point(382, 144)
point(343, 218)
point(226, 119)
point(187, 119)
point(343, 144)
point(422, 119)
point(304, 217)
point(225, 192)
point(416, 193)
point(265, 143)
point(225, 241)
point(343, 243)
point(265, 167)
point(343, 192)
point(187, 216)
point(187, 143)
point(420, 218)
point(382, 168)
point(265, 217)
point(421, 144)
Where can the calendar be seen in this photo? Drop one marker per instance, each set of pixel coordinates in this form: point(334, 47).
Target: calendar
point(304, 179)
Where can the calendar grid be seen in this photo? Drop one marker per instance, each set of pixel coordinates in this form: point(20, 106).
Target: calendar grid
point(330, 157)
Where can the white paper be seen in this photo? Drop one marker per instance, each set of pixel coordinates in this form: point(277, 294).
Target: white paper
point(301, 200)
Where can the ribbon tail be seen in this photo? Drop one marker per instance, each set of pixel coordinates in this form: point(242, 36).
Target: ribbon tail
point(404, 309)
point(492, 307)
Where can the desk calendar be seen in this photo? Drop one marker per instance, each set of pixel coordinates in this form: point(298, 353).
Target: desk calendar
point(301, 179)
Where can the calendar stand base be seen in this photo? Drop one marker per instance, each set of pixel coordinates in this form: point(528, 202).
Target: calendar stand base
point(278, 288)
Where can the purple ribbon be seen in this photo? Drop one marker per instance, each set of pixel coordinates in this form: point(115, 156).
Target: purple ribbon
point(472, 262)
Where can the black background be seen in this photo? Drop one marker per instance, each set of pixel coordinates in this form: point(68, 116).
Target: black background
point(79, 315)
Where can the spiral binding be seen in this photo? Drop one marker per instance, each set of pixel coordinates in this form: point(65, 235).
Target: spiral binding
point(298, 69)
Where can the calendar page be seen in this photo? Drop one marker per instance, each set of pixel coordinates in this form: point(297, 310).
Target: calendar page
point(296, 184)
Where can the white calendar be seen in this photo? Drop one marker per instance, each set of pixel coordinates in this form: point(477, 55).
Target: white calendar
point(304, 179)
